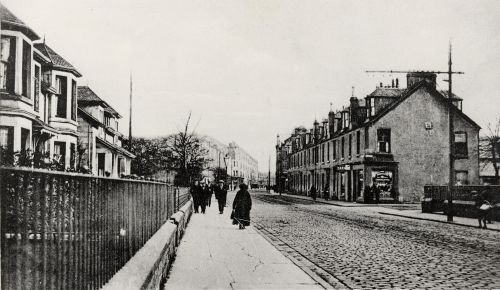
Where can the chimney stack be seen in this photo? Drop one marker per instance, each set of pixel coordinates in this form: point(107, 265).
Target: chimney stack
point(416, 77)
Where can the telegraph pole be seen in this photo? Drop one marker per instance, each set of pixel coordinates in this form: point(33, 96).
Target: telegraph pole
point(269, 176)
point(130, 118)
point(451, 184)
point(451, 140)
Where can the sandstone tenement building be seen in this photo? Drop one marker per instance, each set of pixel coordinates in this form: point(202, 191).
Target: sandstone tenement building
point(395, 138)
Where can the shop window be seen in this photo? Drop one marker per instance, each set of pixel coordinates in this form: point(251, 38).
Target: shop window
point(461, 145)
point(7, 138)
point(384, 140)
point(26, 76)
point(7, 63)
point(61, 83)
point(461, 177)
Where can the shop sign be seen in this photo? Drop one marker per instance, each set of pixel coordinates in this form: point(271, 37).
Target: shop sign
point(346, 167)
point(384, 181)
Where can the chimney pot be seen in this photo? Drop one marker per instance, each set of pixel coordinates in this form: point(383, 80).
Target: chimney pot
point(381, 84)
point(397, 83)
point(392, 86)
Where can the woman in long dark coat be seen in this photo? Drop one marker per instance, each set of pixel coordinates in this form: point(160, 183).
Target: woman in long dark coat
point(242, 205)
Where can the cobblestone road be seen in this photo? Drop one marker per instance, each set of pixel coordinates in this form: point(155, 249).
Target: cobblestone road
point(364, 249)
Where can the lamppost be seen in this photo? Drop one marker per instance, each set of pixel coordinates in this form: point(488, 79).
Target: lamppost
point(226, 159)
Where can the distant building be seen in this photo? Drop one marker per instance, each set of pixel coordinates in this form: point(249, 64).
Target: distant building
point(217, 154)
point(263, 179)
point(240, 166)
point(99, 138)
point(396, 139)
point(243, 168)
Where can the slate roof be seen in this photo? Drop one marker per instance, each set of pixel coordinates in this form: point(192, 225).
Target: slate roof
point(87, 95)
point(445, 94)
point(57, 61)
point(387, 92)
point(9, 20)
point(409, 92)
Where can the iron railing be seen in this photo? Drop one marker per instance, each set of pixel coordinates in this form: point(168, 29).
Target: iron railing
point(461, 192)
point(72, 231)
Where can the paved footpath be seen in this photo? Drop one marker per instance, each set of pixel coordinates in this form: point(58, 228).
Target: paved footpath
point(214, 254)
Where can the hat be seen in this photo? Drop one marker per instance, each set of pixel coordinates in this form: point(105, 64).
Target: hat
point(221, 181)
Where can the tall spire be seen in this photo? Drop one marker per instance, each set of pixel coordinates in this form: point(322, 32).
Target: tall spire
point(130, 118)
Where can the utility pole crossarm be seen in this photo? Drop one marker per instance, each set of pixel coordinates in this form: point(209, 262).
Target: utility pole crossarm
point(412, 71)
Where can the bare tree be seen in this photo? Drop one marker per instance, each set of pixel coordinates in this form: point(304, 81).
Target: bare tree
point(489, 149)
point(188, 155)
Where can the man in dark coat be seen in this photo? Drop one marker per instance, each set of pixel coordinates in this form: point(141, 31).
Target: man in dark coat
point(376, 192)
point(221, 195)
point(313, 192)
point(197, 193)
point(242, 205)
point(208, 194)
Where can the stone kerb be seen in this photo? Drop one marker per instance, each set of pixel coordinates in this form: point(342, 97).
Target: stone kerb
point(148, 267)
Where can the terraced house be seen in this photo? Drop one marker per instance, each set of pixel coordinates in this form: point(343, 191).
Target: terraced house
point(37, 94)
point(394, 138)
point(99, 138)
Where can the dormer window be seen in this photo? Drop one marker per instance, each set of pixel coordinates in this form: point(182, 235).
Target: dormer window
point(345, 120)
point(7, 63)
point(371, 107)
point(107, 121)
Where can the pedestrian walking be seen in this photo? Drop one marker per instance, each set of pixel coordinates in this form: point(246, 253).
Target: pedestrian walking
point(326, 192)
point(196, 193)
point(312, 192)
point(242, 204)
point(221, 195)
point(203, 199)
point(483, 208)
point(376, 192)
point(208, 194)
point(487, 195)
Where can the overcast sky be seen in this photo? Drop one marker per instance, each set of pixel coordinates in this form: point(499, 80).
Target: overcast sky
point(251, 69)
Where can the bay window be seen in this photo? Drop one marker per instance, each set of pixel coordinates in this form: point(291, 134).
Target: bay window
point(61, 84)
point(26, 70)
point(7, 63)
point(73, 100)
